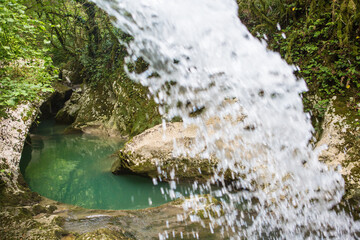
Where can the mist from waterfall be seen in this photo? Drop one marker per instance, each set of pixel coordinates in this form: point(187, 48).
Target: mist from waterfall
point(201, 56)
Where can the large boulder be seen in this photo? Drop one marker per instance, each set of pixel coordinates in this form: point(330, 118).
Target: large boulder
point(121, 108)
point(151, 154)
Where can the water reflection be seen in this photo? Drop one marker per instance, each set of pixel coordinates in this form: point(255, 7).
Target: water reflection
point(75, 169)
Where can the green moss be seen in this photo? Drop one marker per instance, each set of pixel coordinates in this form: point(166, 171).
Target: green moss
point(60, 87)
point(60, 221)
point(60, 234)
point(25, 197)
point(116, 105)
point(105, 234)
point(51, 208)
point(37, 209)
point(346, 106)
point(139, 113)
point(18, 223)
point(208, 209)
point(351, 146)
point(24, 213)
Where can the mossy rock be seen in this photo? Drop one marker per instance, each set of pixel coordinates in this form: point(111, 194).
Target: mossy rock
point(60, 221)
point(38, 209)
point(118, 108)
point(105, 234)
point(341, 133)
point(25, 197)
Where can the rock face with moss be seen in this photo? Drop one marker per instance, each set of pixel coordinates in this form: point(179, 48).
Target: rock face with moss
point(18, 205)
point(120, 108)
point(151, 154)
point(26, 215)
point(341, 136)
point(13, 131)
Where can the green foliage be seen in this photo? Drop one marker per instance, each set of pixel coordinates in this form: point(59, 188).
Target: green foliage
point(322, 38)
point(82, 38)
point(20, 34)
point(23, 82)
point(25, 71)
point(76, 35)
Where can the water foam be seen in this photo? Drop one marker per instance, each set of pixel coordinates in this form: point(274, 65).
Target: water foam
point(202, 57)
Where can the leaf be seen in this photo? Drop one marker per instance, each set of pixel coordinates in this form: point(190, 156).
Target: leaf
point(47, 90)
point(316, 34)
point(10, 102)
point(10, 20)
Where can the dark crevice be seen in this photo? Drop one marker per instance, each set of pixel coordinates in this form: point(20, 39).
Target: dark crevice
point(55, 102)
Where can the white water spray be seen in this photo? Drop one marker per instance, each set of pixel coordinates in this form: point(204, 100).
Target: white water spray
point(253, 119)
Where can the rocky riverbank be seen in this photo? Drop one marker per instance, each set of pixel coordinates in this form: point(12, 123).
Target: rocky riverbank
point(18, 205)
point(26, 215)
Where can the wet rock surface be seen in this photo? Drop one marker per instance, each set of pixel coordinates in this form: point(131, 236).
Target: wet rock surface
point(18, 205)
point(68, 113)
point(26, 215)
point(341, 138)
point(151, 154)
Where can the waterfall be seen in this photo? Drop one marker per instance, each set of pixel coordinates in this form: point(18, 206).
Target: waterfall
point(201, 56)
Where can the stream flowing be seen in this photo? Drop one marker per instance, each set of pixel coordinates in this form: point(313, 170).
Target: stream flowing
point(202, 57)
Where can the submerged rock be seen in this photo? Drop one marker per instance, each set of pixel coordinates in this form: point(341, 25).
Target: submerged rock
point(151, 154)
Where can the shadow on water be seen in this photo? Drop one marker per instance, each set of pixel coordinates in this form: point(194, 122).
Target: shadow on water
point(75, 169)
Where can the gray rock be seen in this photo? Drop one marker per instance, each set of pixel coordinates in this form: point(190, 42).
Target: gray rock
point(151, 154)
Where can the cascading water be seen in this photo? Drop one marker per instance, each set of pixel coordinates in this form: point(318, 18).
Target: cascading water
point(201, 56)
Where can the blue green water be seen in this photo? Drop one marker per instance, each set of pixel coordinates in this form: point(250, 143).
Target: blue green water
point(75, 169)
